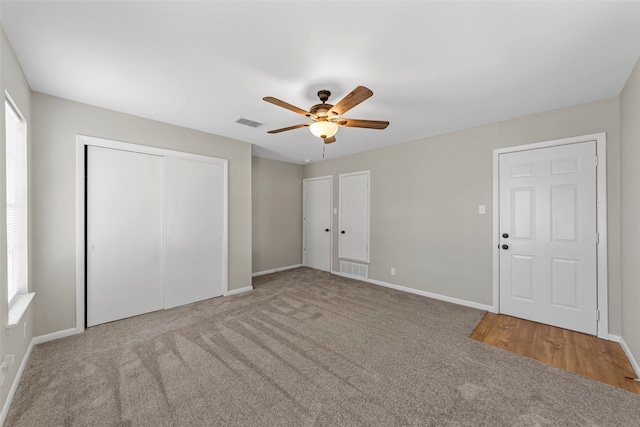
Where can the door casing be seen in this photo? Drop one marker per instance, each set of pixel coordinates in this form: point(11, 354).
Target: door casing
point(601, 190)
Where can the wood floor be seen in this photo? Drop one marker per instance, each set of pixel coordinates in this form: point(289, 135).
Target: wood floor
point(581, 354)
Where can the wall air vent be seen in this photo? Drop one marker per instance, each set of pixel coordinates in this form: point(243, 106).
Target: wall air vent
point(248, 122)
point(354, 269)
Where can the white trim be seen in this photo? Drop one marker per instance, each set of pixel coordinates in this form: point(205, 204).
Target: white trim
point(146, 149)
point(16, 382)
point(239, 291)
point(18, 308)
point(614, 338)
point(54, 336)
point(340, 176)
point(25, 359)
point(81, 142)
point(275, 270)
point(304, 201)
point(601, 189)
point(14, 107)
point(80, 234)
point(632, 360)
point(439, 297)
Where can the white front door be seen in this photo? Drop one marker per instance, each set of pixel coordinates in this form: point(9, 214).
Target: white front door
point(194, 231)
point(354, 216)
point(317, 223)
point(124, 234)
point(548, 236)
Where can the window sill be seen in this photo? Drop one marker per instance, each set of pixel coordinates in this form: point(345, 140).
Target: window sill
point(18, 308)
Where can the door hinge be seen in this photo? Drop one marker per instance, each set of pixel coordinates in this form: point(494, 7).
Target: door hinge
point(597, 315)
point(596, 160)
point(597, 238)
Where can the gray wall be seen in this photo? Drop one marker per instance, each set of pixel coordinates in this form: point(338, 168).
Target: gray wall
point(15, 340)
point(630, 153)
point(276, 194)
point(56, 122)
point(425, 196)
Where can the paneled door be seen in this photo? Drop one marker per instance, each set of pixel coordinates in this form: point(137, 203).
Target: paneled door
point(354, 216)
point(194, 231)
point(317, 223)
point(124, 234)
point(548, 236)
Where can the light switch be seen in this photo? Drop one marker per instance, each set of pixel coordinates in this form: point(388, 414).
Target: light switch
point(482, 209)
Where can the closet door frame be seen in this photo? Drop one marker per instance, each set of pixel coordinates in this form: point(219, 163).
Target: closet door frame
point(82, 142)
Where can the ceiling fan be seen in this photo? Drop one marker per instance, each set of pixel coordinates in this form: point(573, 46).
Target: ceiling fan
point(326, 117)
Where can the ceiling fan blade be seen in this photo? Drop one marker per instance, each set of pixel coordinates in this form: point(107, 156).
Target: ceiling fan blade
point(329, 140)
point(356, 96)
point(356, 123)
point(289, 128)
point(279, 103)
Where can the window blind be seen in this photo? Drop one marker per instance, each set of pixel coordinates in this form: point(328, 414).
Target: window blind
point(16, 195)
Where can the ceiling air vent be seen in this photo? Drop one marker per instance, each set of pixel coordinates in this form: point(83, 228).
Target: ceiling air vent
point(248, 122)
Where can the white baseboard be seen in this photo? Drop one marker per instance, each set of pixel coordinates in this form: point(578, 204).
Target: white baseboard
point(275, 270)
point(614, 338)
point(419, 292)
point(53, 336)
point(632, 360)
point(16, 381)
point(239, 291)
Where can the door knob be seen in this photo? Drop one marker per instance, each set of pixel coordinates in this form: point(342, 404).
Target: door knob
point(505, 247)
point(343, 232)
point(505, 235)
point(326, 229)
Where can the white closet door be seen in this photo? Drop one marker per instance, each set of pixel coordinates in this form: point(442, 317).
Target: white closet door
point(124, 234)
point(317, 223)
point(194, 231)
point(354, 216)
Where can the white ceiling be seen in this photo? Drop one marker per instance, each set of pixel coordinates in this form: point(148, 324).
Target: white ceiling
point(434, 67)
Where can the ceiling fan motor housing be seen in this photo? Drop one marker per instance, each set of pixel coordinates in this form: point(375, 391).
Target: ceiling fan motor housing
point(324, 95)
point(320, 110)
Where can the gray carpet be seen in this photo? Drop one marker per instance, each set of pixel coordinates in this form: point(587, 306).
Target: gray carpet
point(305, 348)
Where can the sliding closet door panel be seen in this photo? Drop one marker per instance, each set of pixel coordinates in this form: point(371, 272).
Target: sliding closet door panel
point(194, 231)
point(124, 234)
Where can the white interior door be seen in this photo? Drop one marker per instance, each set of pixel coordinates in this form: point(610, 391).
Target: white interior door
point(124, 234)
point(549, 235)
point(317, 223)
point(194, 231)
point(354, 216)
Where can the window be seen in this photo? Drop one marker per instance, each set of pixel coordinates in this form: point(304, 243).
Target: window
point(16, 180)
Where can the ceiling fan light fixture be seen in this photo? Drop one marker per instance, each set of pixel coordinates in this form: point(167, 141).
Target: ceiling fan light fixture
point(323, 129)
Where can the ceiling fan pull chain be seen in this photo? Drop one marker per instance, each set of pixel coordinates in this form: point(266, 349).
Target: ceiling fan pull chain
point(324, 147)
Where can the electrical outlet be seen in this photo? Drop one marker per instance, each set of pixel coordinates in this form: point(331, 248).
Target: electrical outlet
point(8, 362)
point(393, 271)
